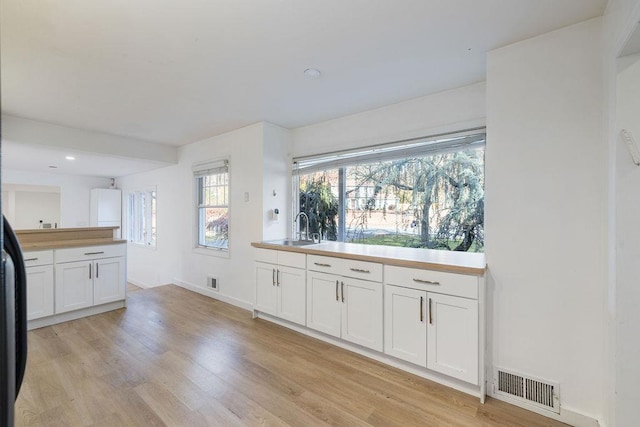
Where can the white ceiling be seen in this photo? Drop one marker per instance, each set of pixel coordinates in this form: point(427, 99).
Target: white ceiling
point(179, 71)
point(38, 158)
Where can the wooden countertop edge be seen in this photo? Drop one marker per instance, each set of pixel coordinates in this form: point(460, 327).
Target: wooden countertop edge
point(447, 268)
point(70, 244)
point(62, 230)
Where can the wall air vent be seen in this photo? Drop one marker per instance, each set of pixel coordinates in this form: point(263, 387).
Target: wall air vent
point(212, 283)
point(527, 390)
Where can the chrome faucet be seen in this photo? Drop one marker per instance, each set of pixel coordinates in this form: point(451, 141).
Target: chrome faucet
point(306, 228)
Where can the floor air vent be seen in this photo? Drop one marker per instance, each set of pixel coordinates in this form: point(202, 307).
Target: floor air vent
point(529, 390)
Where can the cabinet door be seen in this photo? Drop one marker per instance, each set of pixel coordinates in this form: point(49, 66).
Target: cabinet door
point(74, 286)
point(405, 324)
point(452, 336)
point(323, 306)
point(291, 294)
point(109, 282)
point(362, 312)
point(39, 292)
point(265, 287)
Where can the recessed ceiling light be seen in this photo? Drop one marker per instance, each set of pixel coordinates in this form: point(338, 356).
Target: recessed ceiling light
point(53, 167)
point(70, 158)
point(312, 73)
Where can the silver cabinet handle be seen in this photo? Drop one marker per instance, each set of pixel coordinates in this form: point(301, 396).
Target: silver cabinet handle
point(359, 270)
point(319, 264)
point(421, 310)
point(97, 270)
point(94, 253)
point(277, 277)
point(342, 287)
point(428, 282)
point(430, 313)
point(273, 277)
point(337, 297)
point(89, 271)
point(30, 259)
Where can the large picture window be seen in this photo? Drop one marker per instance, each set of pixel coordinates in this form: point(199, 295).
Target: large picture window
point(212, 186)
point(426, 193)
point(141, 217)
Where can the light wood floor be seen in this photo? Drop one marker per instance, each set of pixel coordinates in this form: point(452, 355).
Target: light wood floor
point(178, 358)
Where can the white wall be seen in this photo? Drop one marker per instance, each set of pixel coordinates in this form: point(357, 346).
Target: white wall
point(447, 111)
point(75, 192)
point(546, 211)
point(623, 318)
point(175, 259)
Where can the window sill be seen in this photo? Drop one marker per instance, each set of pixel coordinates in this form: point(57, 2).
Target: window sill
point(218, 253)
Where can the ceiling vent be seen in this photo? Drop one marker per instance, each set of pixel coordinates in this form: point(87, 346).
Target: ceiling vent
point(527, 390)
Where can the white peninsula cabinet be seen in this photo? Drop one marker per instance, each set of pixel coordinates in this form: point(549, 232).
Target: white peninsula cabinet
point(89, 276)
point(431, 320)
point(39, 268)
point(280, 284)
point(341, 303)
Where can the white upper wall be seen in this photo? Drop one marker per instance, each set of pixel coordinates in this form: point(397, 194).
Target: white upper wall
point(545, 215)
point(75, 192)
point(447, 111)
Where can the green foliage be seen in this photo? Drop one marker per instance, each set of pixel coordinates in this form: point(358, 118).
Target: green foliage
point(321, 206)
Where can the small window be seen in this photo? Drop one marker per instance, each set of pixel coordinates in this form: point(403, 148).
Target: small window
point(212, 205)
point(141, 217)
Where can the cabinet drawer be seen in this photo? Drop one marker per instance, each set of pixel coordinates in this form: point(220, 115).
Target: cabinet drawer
point(265, 255)
point(33, 258)
point(90, 252)
point(291, 259)
point(324, 264)
point(361, 270)
point(432, 281)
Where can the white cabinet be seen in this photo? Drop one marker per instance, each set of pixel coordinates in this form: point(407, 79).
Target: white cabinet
point(89, 276)
point(405, 324)
point(452, 336)
point(280, 285)
point(109, 283)
point(74, 286)
point(39, 269)
point(431, 319)
point(346, 308)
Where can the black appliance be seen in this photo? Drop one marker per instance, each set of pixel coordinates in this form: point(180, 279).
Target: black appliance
point(13, 322)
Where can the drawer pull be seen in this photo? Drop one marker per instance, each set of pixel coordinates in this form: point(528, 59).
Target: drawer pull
point(359, 270)
point(428, 282)
point(319, 264)
point(30, 259)
point(94, 253)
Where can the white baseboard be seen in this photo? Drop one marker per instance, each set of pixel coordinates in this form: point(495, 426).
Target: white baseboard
point(141, 284)
point(73, 315)
point(566, 416)
point(214, 294)
point(380, 357)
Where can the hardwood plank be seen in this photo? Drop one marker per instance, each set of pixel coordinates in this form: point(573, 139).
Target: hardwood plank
point(177, 358)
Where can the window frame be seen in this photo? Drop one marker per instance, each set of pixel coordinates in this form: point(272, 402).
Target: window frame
point(200, 171)
point(340, 160)
point(137, 233)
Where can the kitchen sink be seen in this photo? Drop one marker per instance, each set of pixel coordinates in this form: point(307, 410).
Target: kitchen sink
point(288, 242)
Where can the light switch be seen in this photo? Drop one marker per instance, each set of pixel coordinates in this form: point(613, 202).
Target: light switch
point(246, 196)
